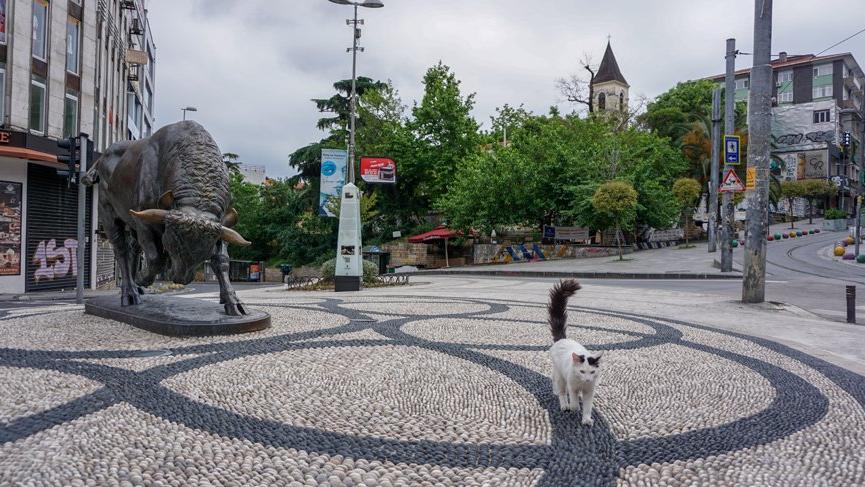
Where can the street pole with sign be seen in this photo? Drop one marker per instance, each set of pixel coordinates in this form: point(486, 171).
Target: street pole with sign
point(727, 211)
point(348, 271)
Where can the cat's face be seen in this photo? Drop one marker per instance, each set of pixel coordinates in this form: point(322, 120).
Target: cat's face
point(587, 367)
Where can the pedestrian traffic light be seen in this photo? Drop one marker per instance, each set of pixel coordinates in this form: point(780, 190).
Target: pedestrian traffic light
point(68, 153)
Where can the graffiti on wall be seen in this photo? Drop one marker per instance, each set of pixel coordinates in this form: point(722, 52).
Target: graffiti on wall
point(794, 126)
point(10, 228)
point(55, 261)
point(814, 137)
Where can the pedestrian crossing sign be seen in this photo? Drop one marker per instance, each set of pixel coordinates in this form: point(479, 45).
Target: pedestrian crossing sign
point(731, 149)
point(731, 183)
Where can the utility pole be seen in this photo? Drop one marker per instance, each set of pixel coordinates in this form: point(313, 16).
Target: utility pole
point(759, 132)
point(713, 182)
point(727, 211)
point(858, 225)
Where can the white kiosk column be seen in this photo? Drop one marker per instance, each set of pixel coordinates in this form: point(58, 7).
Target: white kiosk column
point(348, 275)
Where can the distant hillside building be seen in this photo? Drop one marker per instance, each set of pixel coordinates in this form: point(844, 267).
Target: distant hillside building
point(253, 174)
point(610, 90)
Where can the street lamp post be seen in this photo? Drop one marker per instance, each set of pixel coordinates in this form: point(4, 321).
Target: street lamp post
point(187, 109)
point(349, 264)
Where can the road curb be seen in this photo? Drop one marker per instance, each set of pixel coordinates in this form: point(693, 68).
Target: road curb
point(582, 275)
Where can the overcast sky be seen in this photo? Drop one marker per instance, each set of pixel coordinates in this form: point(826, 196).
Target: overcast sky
point(251, 66)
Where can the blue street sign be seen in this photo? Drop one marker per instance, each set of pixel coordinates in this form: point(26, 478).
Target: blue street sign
point(731, 149)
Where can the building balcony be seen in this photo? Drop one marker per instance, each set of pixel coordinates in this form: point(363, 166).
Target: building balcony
point(850, 104)
point(851, 83)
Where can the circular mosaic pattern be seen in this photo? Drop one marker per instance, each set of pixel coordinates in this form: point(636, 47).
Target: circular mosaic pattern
point(412, 391)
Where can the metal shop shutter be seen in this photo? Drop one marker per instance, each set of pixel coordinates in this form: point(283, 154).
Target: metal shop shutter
point(52, 231)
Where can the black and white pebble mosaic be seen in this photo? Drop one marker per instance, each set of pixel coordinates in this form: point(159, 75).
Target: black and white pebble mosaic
point(408, 390)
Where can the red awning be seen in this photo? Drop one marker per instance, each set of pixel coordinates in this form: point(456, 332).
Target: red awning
point(439, 233)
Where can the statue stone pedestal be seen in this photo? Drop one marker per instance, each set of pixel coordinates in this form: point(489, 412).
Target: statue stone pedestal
point(175, 316)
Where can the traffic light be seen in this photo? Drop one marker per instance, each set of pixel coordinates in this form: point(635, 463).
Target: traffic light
point(69, 154)
point(845, 139)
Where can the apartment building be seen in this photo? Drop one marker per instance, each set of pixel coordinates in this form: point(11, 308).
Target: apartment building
point(816, 100)
point(66, 67)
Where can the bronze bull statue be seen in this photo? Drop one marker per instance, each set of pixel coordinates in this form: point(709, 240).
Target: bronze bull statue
point(167, 196)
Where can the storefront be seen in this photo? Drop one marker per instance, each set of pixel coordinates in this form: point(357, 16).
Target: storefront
point(38, 218)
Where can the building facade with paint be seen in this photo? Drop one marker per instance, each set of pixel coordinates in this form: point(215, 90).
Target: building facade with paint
point(816, 99)
point(66, 67)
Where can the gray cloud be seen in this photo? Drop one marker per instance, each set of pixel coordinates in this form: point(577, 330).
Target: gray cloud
point(252, 66)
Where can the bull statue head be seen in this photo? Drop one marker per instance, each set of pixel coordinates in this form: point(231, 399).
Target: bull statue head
point(190, 237)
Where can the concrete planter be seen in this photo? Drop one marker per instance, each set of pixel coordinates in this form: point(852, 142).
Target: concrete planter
point(835, 225)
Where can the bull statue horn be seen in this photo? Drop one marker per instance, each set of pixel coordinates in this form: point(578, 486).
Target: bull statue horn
point(152, 215)
point(230, 218)
point(233, 237)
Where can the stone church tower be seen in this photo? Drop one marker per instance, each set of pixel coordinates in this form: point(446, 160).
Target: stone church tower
point(609, 86)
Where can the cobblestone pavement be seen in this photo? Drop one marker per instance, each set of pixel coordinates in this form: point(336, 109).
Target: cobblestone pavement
point(401, 388)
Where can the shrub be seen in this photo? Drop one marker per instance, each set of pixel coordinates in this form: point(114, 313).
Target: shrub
point(835, 214)
point(370, 271)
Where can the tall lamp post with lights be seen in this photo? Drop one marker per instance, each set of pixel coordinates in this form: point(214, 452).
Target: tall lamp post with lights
point(348, 270)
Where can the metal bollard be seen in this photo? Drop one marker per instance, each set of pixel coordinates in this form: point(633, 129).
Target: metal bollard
point(851, 304)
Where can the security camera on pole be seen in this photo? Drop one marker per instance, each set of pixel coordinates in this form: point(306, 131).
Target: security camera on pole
point(348, 271)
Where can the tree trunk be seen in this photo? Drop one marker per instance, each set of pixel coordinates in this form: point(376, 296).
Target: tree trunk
point(685, 230)
point(792, 218)
point(810, 211)
point(619, 243)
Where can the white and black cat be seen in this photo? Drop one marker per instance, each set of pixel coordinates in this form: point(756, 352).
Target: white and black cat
point(576, 371)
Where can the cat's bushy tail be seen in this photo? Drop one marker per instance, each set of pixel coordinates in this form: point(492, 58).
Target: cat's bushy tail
point(559, 295)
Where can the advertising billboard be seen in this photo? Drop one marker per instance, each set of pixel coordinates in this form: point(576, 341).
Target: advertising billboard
point(377, 170)
point(334, 163)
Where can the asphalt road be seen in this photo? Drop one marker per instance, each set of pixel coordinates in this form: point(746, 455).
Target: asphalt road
point(795, 274)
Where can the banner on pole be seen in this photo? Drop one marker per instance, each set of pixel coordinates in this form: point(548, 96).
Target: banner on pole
point(334, 163)
point(377, 170)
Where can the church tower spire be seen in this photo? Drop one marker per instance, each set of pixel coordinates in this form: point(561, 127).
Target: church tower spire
point(609, 85)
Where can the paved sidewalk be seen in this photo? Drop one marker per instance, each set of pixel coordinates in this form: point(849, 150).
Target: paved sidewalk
point(665, 263)
point(438, 383)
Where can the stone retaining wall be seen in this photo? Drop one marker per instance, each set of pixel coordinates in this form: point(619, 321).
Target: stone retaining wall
point(506, 253)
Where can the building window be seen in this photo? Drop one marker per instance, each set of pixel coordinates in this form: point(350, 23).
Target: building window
point(2, 21)
point(785, 77)
point(822, 91)
point(821, 116)
point(148, 98)
point(602, 101)
point(785, 97)
point(822, 70)
point(2, 93)
point(70, 114)
point(73, 28)
point(37, 104)
point(40, 29)
point(743, 83)
point(622, 101)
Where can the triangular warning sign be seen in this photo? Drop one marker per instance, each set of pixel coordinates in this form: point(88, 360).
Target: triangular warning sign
point(731, 183)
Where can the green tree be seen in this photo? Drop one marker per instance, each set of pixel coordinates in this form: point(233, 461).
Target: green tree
point(444, 134)
point(307, 159)
point(815, 189)
point(790, 191)
point(687, 192)
point(616, 202)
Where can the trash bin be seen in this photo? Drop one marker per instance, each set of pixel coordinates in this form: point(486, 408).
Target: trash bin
point(285, 269)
